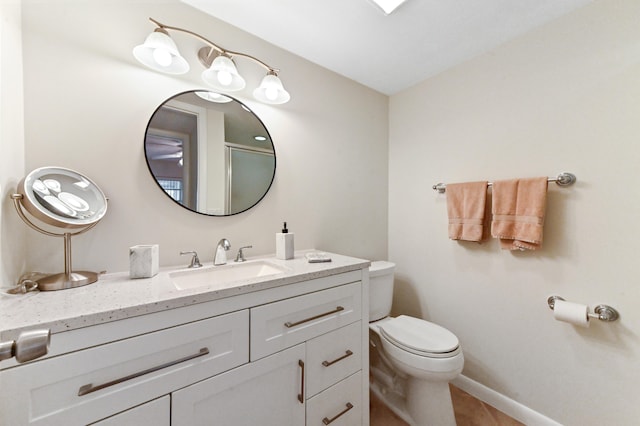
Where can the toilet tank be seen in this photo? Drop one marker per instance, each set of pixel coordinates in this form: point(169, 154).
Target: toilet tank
point(380, 289)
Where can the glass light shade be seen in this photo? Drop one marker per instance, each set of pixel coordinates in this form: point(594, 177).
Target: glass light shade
point(223, 75)
point(271, 91)
point(160, 53)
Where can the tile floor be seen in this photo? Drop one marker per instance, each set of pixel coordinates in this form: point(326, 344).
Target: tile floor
point(469, 411)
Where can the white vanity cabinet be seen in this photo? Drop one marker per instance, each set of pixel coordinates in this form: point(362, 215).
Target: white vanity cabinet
point(292, 354)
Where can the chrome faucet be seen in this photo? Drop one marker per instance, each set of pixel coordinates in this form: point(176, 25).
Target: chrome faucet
point(221, 252)
point(240, 256)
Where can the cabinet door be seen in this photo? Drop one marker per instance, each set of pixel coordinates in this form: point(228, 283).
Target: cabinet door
point(153, 413)
point(266, 392)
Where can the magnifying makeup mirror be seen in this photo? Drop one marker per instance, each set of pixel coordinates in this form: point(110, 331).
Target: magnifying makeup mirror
point(66, 199)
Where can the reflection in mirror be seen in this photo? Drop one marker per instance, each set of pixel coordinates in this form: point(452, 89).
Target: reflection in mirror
point(210, 153)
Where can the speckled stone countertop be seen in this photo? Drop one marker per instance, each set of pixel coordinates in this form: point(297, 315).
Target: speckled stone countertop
point(115, 296)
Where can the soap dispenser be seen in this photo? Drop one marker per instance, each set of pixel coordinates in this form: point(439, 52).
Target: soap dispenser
point(284, 244)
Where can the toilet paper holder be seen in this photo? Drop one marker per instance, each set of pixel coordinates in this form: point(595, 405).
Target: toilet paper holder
point(600, 312)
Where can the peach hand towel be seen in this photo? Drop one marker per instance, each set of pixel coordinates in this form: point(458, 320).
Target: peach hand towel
point(518, 209)
point(465, 207)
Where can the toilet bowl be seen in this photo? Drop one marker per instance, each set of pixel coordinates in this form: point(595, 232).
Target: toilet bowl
point(412, 360)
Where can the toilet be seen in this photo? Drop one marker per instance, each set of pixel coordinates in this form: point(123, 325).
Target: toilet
point(412, 360)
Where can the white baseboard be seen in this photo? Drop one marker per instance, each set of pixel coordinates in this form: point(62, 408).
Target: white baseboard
point(507, 405)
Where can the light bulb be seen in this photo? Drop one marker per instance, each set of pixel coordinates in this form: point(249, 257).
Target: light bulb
point(224, 77)
point(271, 93)
point(162, 56)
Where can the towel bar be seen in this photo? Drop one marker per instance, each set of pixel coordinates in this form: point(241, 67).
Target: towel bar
point(563, 179)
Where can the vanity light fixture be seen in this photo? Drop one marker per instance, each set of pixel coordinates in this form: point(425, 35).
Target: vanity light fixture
point(160, 53)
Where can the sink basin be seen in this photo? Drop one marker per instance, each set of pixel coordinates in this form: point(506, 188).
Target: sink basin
point(226, 276)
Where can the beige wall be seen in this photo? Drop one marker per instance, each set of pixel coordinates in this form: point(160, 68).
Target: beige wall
point(88, 101)
point(565, 97)
point(12, 244)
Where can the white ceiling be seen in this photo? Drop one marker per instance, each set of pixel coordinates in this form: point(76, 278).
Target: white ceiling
point(388, 53)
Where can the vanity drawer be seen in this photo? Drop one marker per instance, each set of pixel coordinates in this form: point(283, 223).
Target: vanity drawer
point(282, 324)
point(333, 356)
point(340, 405)
point(88, 385)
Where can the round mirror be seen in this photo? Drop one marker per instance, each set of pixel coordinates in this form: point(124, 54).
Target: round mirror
point(209, 153)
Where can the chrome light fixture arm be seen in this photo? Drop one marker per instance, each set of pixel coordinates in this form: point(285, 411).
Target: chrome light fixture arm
point(214, 46)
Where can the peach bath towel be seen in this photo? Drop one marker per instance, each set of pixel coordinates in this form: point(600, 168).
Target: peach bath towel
point(518, 212)
point(465, 207)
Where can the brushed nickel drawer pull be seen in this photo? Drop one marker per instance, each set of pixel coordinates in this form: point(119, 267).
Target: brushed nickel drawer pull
point(326, 421)
point(301, 394)
point(89, 388)
point(293, 324)
point(328, 363)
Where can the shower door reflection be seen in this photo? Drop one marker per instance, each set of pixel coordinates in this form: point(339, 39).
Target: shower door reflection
point(251, 171)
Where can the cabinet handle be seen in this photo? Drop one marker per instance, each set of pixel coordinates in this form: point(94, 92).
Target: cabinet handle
point(293, 324)
point(301, 394)
point(328, 363)
point(326, 421)
point(90, 388)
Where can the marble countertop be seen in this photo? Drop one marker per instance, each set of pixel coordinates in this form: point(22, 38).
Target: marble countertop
point(115, 296)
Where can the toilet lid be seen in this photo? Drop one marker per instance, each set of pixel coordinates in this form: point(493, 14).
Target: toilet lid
point(420, 337)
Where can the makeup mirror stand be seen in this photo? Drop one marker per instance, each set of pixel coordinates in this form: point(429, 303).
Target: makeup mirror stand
point(69, 278)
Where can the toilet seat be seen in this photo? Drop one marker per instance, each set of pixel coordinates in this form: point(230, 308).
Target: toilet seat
point(420, 337)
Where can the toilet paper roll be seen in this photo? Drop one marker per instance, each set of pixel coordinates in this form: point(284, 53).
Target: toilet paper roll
point(573, 313)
